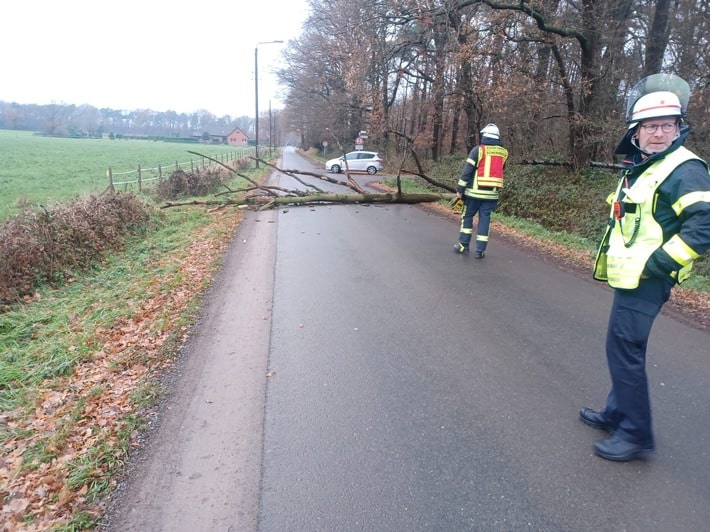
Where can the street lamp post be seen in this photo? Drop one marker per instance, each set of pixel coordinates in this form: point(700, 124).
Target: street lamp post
point(256, 96)
point(271, 130)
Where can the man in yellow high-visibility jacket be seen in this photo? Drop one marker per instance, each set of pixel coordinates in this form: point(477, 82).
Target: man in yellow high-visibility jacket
point(659, 223)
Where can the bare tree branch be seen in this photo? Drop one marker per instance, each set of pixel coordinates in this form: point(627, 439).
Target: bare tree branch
point(300, 197)
point(290, 173)
point(420, 172)
point(267, 202)
point(351, 182)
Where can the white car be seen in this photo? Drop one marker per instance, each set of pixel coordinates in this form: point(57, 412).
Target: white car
point(358, 161)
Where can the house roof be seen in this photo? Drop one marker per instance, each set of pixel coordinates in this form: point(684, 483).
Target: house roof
point(237, 130)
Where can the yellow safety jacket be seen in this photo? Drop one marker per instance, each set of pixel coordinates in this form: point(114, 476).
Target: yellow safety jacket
point(633, 234)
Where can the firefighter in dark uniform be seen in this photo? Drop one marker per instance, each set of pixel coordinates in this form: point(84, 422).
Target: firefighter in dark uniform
point(480, 181)
point(659, 223)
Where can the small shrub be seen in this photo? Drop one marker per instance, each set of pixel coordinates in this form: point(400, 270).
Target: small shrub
point(182, 184)
point(39, 247)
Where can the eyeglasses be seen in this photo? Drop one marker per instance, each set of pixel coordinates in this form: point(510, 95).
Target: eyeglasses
point(652, 128)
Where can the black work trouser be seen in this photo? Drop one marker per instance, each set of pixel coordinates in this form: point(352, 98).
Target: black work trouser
point(628, 408)
point(484, 208)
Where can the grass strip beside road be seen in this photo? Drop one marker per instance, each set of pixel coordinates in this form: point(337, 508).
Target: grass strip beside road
point(78, 365)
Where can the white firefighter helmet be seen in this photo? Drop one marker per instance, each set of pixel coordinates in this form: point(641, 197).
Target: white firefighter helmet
point(655, 105)
point(491, 130)
point(657, 96)
point(654, 96)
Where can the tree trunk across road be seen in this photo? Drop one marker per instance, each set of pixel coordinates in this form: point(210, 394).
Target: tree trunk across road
point(349, 372)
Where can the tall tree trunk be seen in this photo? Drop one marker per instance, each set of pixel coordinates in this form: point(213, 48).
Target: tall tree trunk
point(657, 40)
point(439, 87)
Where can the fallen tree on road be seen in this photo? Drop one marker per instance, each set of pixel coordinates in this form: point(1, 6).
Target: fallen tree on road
point(262, 202)
point(261, 197)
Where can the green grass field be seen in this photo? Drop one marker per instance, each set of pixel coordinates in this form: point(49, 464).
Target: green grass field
point(38, 170)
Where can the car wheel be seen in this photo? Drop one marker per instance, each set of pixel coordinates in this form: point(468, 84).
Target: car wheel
point(371, 170)
point(335, 169)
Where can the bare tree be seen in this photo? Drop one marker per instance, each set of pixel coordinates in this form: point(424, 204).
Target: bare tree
point(553, 75)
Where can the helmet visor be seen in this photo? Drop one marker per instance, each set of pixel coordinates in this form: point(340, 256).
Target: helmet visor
point(656, 83)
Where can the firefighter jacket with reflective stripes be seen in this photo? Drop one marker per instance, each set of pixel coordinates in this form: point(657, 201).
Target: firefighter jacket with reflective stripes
point(482, 175)
point(659, 221)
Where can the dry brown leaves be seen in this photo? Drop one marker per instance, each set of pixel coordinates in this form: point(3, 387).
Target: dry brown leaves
point(75, 414)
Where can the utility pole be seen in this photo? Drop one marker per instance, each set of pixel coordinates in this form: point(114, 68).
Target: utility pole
point(256, 97)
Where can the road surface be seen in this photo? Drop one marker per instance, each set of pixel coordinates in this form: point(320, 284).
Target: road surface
point(350, 372)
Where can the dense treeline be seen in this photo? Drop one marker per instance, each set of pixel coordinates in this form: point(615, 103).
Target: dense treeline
point(552, 74)
point(88, 121)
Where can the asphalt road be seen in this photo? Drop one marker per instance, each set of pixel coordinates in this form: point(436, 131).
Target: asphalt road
point(401, 387)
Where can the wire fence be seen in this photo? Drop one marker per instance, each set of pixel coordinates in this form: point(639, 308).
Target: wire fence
point(142, 175)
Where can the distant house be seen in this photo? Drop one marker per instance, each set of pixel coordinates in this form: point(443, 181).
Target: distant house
point(237, 138)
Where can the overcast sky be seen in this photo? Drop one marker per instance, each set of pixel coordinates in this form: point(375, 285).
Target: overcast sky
point(146, 54)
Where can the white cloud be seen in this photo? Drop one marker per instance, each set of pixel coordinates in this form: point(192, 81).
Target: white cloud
point(156, 54)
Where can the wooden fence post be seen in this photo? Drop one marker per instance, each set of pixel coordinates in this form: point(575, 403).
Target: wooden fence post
point(140, 181)
point(109, 173)
point(160, 174)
